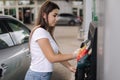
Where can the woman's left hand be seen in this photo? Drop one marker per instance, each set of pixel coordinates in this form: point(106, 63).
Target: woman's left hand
point(72, 69)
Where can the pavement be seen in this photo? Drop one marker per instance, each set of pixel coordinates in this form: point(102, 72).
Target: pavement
point(66, 37)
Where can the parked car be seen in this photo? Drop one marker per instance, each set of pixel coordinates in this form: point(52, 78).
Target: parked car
point(14, 51)
point(68, 19)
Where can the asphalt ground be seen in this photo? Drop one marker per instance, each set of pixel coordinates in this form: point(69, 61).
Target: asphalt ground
point(66, 37)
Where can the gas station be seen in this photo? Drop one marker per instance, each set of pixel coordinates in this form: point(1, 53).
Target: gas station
point(26, 10)
point(100, 25)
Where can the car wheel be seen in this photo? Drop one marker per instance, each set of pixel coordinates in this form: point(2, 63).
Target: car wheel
point(71, 23)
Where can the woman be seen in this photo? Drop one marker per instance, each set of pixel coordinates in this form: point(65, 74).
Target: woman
point(43, 47)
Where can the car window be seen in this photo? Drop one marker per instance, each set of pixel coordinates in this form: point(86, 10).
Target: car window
point(5, 39)
point(66, 15)
point(19, 31)
point(0, 31)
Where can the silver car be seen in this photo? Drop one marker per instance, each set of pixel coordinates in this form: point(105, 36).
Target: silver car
point(68, 19)
point(14, 51)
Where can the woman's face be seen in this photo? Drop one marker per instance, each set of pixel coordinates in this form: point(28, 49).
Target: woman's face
point(52, 16)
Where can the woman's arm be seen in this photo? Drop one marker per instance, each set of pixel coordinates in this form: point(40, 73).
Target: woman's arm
point(49, 53)
point(68, 65)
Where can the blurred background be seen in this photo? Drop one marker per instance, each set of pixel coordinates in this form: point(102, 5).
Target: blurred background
point(27, 10)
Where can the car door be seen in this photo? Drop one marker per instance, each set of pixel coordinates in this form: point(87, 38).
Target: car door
point(6, 43)
point(17, 57)
point(62, 19)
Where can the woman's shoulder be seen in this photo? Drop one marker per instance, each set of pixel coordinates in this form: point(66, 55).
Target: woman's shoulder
point(39, 33)
point(38, 28)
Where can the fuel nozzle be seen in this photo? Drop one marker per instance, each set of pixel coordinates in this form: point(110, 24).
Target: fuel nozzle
point(84, 50)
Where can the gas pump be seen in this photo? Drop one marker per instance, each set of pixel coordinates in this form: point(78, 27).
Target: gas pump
point(86, 60)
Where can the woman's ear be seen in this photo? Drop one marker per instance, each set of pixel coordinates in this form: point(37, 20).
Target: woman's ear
point(44, 15)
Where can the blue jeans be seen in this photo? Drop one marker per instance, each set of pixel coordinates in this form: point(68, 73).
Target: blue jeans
point(31, 75)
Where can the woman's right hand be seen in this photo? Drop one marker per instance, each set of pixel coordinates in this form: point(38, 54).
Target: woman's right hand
point(76, 52)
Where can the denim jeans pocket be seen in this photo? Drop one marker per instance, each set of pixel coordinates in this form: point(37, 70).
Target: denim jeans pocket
point(46, 75)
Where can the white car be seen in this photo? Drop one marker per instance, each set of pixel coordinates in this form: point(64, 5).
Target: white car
point(14, 51)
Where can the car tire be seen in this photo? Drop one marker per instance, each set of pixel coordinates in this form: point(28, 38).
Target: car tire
point(71, 23)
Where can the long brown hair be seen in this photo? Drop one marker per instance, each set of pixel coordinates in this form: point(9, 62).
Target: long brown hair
point(46, 8)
